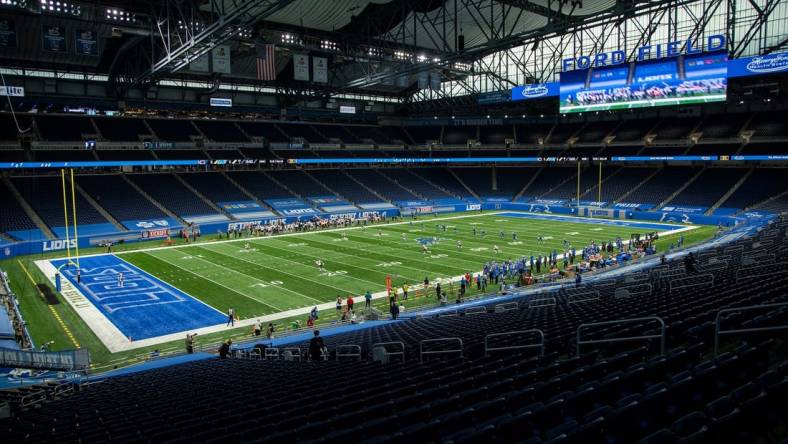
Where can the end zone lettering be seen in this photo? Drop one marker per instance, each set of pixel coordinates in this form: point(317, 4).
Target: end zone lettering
point(670, 49)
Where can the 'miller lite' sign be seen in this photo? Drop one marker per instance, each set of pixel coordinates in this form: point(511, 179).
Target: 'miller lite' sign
point(670, 49)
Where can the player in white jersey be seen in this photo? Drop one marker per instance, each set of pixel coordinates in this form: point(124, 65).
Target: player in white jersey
point(459, 244)
point(424, 249)
point(404, 238)
point(319, 265)
point(496, 249)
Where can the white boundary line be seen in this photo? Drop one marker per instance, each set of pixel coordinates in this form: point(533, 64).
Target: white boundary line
point(115, 341)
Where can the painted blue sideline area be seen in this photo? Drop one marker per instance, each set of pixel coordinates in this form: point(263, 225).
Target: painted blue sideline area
point(585, 220)
point(145, 307)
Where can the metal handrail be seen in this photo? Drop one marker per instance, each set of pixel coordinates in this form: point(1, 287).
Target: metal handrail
point(676, 284)
point(439, 352)
point(540, 345)
point(718, 332)
point(506, 306)
point(573, 298)
point(475, 310)
point(295, 352)
point(542, 302)
point(388, 353)
point(340, 354)
point(630, 338)
point(271, 353)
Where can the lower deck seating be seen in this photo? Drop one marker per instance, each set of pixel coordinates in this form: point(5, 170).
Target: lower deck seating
point(603, 395)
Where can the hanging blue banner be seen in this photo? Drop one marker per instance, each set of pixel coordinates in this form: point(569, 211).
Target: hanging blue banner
point(86, 42)
point(7, 33)
point(535, 91)
point(758, 65)
point(53, 38)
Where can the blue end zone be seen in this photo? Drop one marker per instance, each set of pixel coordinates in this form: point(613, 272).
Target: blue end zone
point(584, 220)
point(144, 307)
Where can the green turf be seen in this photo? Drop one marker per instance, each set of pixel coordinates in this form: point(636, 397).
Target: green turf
point(278, 273)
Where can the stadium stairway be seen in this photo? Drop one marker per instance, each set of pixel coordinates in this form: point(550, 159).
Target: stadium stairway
point(28, 209)
point(364, 186)
point(99, 208)
point(246, 192)
point(322, 184)
point(635, 188)
point(681, 188)
point(728, 193)
point(431, 183)
point(282, 185)
point(399, 185)
point(153, 201)
point(207, 201)
point(527, 184)
point(465, 185)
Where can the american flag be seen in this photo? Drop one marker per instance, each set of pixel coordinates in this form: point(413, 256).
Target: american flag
point(266, 61)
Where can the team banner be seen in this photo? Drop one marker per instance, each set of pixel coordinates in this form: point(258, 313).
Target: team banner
point(320, 69)
point(301, 67)
point(53, 38)
point(7, 33)
point(535, 91)
point(86, 42)
point(220, 57)
point(200, 64)
point(758, 65)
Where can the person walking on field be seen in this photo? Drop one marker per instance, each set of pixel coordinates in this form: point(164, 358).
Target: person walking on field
point(367, 299)
point(231, 317)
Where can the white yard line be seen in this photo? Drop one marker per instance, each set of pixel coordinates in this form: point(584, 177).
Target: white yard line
point(115, 341)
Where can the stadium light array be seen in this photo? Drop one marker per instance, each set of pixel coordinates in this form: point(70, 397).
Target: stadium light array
point(460, 66)
point(16, 3)
point(194, 26)
point(60, 7)
point(119, 15)
point(401, 55)
point(290, 39)
point(244, 33)
point(421, 58)
point(374, 52)
point(328, 45)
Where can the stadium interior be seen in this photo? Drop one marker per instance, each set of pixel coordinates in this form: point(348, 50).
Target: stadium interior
point(586, 200)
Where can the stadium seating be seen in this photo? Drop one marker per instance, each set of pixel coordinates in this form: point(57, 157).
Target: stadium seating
point(417, 184)
point(722, 127)
point(675, 128)
point(759, 186)
point(139, 154)
point(12, 155)
point(62, 128)
point(509, 181)
point(180, 154)
point(547, 180)
point(65, 155)
point(443, 178)
point(532, 134)
point(265, 130)
point(459, 135)
point(606, 394)
point(420, 135)
point(633, 130)
point(173, 130)
point(300, 183)
point(596, 132)
point(377, 182)
point(214, 186)
point(12, 216)
point(708, 187)
point(496, 135)
point(122, 129)
point(346, 187)
point(260, 185)
point(769, 124)
point(298, 131)
point(661, 185)
point(168, 191)
point(624, 180)
point(119, 198)
point(8, 128)
point(221, 131)
point(45, 195)
point(397, 134)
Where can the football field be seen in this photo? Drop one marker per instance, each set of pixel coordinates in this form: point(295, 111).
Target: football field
point(171, 290)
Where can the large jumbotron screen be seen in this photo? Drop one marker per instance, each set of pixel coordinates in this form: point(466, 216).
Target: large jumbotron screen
point(683, 80)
